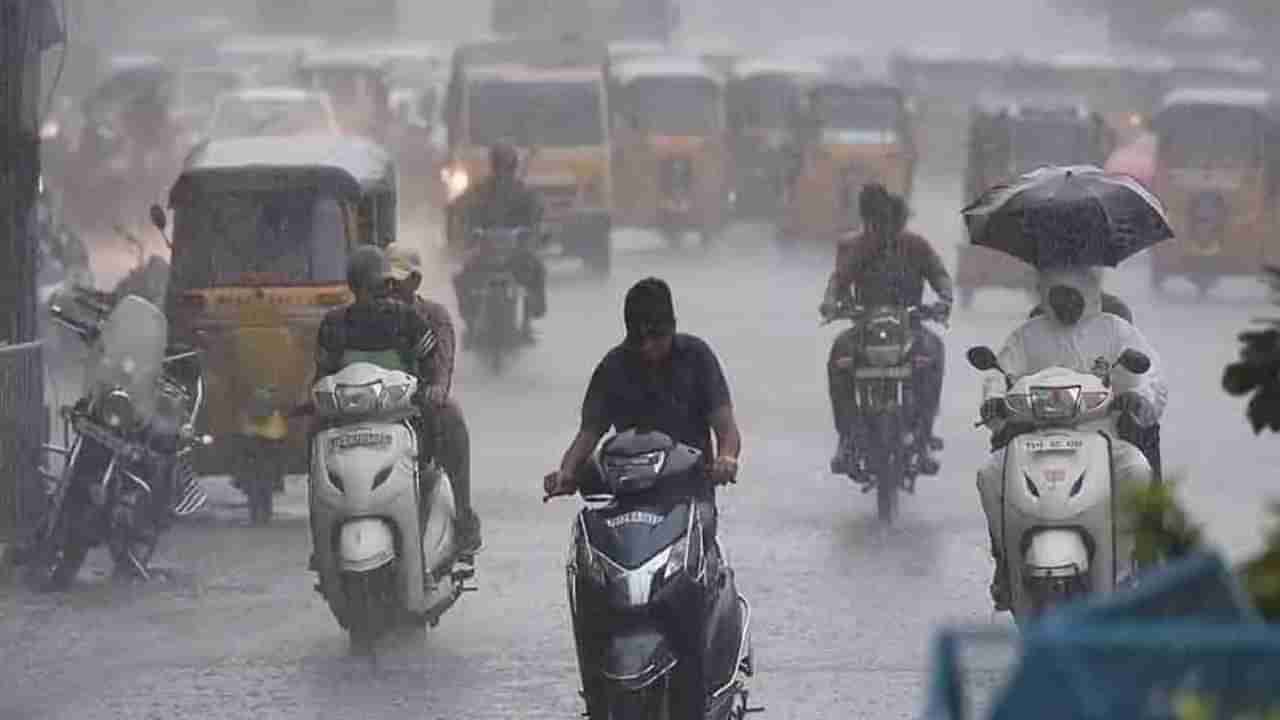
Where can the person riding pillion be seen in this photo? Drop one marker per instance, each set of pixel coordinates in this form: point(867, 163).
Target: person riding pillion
point(501, 201)
point(1074, 333)
point(380, 329)
point(449, 439)
point(885, 265)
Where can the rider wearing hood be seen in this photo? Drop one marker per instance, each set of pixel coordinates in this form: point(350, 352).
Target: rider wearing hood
point(1074, 333)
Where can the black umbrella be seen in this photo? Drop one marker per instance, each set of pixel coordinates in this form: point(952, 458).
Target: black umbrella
point(1068, 216)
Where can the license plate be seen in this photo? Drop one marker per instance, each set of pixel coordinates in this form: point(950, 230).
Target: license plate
point(1052, 444)
point(887, 373)
point(363, 439)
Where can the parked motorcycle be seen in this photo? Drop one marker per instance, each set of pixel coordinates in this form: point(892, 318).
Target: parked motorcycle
point(887, 437)
point(499, 298)
point(384, 537)
point(126, 473)
point(1059, 528)
point(660, 628)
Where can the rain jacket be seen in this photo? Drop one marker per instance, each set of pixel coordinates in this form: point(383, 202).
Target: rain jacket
point(1044, 342)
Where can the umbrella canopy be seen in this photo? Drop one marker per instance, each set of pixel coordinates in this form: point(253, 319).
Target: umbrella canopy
point(1068, 216)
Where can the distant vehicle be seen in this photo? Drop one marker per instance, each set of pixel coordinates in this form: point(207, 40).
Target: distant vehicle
point(273, 111)
point(271, 59)
point(330, 17)
point(358, 84)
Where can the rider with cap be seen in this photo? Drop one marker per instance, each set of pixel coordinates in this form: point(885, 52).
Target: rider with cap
point(449, 438)
point(501, 201)
point(885, 265)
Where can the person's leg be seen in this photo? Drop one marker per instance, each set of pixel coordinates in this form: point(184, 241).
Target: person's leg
point(463, 286)
point(454, 454)
point(840, 367)
point(990, 479)
point(930, 396)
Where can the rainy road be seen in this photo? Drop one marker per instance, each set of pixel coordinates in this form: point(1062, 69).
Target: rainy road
point(843, 611)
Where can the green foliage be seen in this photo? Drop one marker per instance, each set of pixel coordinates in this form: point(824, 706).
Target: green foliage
point(1163, 529)
point(1262, 575)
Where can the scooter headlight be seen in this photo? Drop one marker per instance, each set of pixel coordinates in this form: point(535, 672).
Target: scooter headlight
point(1055, 403)
point(359, 399)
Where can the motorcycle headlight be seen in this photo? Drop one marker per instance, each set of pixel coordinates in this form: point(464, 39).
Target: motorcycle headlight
point(359, 399)
point(1055, 403)
point(50, 130)
point(117, 410)
point(456, 181)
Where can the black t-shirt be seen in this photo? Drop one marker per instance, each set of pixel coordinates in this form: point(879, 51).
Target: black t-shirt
point(677, 400)
point(376, 326)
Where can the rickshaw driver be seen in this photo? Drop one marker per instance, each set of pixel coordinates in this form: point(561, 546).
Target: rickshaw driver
point(886, 265)
point(450, 439)
point(502, 201)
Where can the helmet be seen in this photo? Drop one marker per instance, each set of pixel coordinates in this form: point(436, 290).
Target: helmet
point(875, 204)
point(504, 159)
point(368, 269)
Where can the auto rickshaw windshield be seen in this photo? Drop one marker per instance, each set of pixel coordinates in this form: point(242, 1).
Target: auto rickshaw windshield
point(1050, 141)
point(260, 238)
point(536, 114)
point(673, 106)
point(1211, 137)
point(858, 110)
point(765, 102)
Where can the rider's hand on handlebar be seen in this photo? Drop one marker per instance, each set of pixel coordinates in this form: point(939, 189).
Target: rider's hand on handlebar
point(724, 470)
point(1135, 406)
point(993, 409)
point(558, 483)
point(941, 311)
point(828, 309)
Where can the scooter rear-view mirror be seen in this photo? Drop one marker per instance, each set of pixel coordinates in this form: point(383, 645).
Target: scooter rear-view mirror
point(982, 358)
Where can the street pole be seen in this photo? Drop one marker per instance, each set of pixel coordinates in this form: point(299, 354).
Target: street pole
point(19, 171)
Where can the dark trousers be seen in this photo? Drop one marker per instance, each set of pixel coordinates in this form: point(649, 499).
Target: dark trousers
point(447, 440)
point(927, 379)
point(528, 270)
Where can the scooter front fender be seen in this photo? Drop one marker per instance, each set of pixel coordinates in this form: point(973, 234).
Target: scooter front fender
point(365, 544)
point(1052, 552)
point(636, 659)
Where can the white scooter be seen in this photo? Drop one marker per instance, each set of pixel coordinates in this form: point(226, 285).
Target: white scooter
point(1061, 533)
point(386, 558)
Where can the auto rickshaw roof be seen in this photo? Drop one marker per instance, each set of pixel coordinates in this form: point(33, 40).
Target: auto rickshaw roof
point(801, 67)
point(940, 55)
point(342, 59)
point(278, 93)
point(667, 66)
point(352, 166)
point(270, 44)
point(514, 73)
point(1097, 61)
point(1020, 104)
point(1258, 99)
point(570, 51)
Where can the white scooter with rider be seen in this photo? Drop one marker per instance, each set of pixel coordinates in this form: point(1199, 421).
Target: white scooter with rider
point(1050, 489)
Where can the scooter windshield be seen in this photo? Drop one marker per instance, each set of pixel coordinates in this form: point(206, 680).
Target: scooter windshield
point(129, 353)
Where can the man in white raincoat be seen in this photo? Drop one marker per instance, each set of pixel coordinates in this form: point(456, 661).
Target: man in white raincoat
point(1073, 333)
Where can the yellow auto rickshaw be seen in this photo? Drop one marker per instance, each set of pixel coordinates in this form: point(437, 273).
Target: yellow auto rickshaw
point(1217, 169)
point(856, 133)
point(261, 233)
point(764, 96)
point(670, 172)
point(1006, 139)
point(551, 100)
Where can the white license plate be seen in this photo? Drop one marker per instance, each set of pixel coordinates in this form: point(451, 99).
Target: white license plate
point(888, 373)
point(1052, 444)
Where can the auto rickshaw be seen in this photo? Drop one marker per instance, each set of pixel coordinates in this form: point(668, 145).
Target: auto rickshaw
point(261, 233)
point(671, 160)
point(550, 99)
point(1124, 90)
point(853, 134)
point(764, 97)
point(1006, 139)
point(359, 87)
point(1217, 169)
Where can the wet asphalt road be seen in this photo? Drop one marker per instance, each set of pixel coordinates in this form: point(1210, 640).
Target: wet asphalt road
point(843, 611)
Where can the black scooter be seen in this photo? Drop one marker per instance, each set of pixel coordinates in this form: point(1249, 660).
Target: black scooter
point(660, 628)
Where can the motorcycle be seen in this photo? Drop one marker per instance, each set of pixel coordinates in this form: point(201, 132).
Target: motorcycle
point(1059, 528)
point(660, 628)
point(126, 472)
point(499, 298)
point(887, 438)
point(385, 544)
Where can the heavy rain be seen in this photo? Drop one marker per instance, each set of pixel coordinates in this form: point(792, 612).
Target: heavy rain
point(227, 421)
